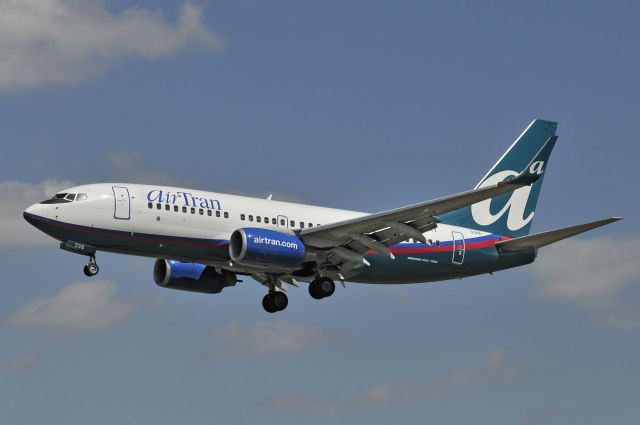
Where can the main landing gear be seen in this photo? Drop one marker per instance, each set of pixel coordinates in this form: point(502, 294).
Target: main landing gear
point(275, 301)
point(91, 268)
point(321, 287)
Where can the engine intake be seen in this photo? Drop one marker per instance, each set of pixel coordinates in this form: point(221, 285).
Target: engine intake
point(191, 277)
point(266, 248)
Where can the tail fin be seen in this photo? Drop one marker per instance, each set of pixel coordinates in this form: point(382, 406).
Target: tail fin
point(512, 213)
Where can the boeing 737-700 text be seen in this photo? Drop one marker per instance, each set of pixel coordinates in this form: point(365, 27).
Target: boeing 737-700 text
point(203, 241)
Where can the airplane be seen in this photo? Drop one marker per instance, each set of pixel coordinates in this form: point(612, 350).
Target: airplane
point(202, 241)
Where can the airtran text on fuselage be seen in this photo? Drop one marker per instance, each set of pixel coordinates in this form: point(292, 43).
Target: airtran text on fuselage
point(186, 199)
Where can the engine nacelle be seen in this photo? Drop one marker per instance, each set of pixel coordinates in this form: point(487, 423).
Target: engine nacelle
point(266, 248)
point(191, 277)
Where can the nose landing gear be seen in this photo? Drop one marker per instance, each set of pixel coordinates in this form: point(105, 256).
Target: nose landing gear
point(91, 268)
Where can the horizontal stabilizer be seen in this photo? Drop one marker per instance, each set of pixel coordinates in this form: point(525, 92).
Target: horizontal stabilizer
point(538, 240)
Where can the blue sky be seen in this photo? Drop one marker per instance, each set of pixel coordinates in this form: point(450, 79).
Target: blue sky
point(364, 105)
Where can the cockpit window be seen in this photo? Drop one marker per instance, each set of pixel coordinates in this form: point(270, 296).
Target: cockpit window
point(58, 198)
point(63, 198)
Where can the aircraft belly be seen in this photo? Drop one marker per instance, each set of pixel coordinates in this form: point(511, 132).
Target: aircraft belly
point(430, 267)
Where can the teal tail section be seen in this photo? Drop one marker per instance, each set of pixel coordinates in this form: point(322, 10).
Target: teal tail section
point(511, 214)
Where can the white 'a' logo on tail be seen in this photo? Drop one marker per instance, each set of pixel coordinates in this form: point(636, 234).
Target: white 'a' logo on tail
point(537, 167)
point(516, 204)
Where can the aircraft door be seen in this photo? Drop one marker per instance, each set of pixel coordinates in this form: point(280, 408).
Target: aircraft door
point(283, 222)
point(458, 248)
point(122, 205)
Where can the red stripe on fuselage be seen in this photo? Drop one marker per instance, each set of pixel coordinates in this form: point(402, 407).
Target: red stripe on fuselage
point(448, 248)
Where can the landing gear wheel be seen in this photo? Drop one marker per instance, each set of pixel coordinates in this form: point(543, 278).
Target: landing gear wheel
point(91, 269)
point(280, 300)
point(268, 305)
point(315, 290)
point(321, 288)
point(275, 301)
point(328, 287)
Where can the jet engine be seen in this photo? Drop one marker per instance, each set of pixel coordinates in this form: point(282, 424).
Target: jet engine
point(265, 248)
point(191, 277)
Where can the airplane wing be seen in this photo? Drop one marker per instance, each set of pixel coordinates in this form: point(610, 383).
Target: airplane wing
point(344, 242)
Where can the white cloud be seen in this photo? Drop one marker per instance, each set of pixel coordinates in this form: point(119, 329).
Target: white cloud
point(62, 41)
point(267, 338)
point(78, 308)
point(496, 366)
point(16, 196)
point(596, 274)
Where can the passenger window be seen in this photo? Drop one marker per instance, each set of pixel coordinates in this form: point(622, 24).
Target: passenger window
point(201, 211)
point(293, 223)
point(175, 208)
point(217, 213)
point(310, 225)
point(259, 219)
point(184, 209)
point(241, 216)
point(282, 222)
point(302, 224)
point(226, 215)
point(150, 205)
point(159, 206)
point(273, 221)
point(266, 220)
point(167, 207)
point(209, 213)
point(81, 197)
point(193, 210)
point(250, 217)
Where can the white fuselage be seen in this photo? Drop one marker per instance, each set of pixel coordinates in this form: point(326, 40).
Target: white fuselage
point(146, 214)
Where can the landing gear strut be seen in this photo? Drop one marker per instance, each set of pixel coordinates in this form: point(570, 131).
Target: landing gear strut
point(275, 301)
point(91, 269)
point(321, 288)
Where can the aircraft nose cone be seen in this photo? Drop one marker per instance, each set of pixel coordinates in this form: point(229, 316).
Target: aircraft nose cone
point(30, 214)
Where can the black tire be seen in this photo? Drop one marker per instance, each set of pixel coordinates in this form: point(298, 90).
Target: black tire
point(279, 300)
point(315, 290)
point(91, 269)
point(267, 304)
point(327, 287)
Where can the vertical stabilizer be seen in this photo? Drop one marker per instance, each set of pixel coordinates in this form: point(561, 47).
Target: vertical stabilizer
point(512, 213)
